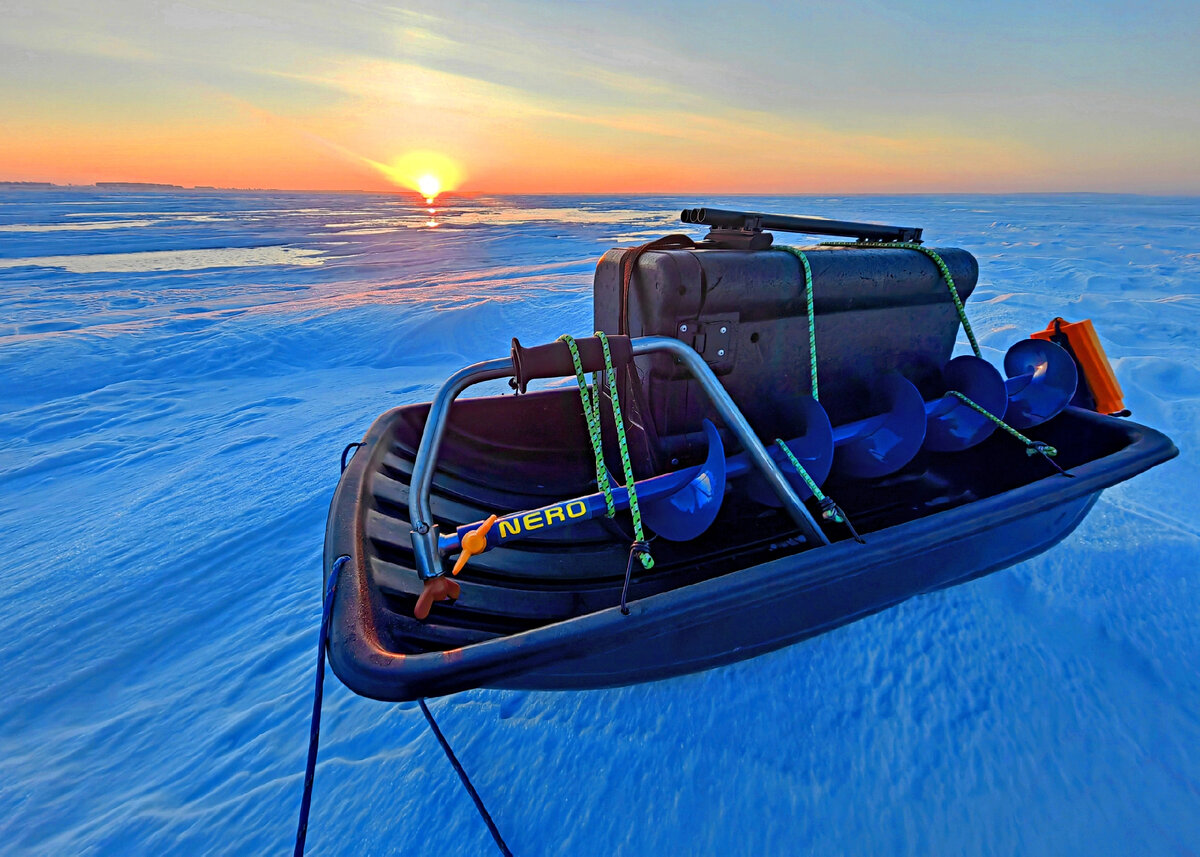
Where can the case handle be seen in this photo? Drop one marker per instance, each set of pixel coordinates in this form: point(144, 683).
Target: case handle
point(554, 360)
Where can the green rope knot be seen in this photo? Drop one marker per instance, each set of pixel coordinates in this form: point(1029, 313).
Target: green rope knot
point(1032, 447)
point(830, 511)
point(591, 412)
point(1041, 447)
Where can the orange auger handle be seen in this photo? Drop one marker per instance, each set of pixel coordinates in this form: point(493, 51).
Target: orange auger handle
point(474, 542)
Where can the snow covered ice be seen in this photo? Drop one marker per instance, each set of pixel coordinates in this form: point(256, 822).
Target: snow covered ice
point(179, 373)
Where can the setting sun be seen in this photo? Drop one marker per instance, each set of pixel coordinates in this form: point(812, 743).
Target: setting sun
point(429, 186)
point(428, 173)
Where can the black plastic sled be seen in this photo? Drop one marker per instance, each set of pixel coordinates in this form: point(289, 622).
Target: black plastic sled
point(777, 496)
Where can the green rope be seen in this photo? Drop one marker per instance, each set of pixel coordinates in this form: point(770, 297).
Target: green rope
point(808, 297)
point(941, 266)
point(636, 513)
point(1032, 447)
point(808, 480)
point(591, 412)
point(830, 510)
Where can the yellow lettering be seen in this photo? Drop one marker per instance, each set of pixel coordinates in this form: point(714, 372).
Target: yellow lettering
point(554, 513)
point(532, 520)
point(576, 509)
point(509, 528)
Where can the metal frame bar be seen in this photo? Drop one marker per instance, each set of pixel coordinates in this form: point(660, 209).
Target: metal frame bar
point(425, 531)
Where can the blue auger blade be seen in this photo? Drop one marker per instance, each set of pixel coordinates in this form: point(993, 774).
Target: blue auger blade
point(691, 509)
point(952, 425)
point(812, 446)
point(882, 444)
point(1041, 381)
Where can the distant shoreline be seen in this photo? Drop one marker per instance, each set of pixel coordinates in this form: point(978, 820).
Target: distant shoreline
point(150, 186)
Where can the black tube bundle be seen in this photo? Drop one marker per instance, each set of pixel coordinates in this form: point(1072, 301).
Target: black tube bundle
point(746, 221)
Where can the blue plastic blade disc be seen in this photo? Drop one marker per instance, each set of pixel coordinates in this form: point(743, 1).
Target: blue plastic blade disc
point(882, 444)
point(951, 425)
point(1041, 381)
point(690, 511)
point(812, 446)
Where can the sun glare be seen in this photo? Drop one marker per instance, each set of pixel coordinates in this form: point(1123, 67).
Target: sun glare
point(428, 173)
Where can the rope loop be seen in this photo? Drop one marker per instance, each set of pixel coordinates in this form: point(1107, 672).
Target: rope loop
point(626, 465)
point(639, 549)
point(346, 452)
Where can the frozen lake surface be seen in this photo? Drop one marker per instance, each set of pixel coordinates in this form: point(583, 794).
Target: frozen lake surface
point(178, 375)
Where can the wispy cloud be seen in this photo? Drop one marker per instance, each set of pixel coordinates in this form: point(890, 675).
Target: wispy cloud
point(71, 41)
point(863, 94)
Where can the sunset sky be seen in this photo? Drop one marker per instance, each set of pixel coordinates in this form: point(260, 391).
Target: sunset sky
point(857, 96)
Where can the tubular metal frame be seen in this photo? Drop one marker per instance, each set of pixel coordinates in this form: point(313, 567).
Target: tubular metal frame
point(425, 531)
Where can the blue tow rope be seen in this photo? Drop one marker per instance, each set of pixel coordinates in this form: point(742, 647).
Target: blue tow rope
point(314, 732)
point(466, 781)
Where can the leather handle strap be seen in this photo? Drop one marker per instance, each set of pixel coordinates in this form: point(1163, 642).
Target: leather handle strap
point(629, 264)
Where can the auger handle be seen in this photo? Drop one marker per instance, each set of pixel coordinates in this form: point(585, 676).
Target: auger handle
point(554, 360)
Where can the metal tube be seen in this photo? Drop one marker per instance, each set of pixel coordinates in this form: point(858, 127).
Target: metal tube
point(720, 218)
point(733, 418)
point(425, 531)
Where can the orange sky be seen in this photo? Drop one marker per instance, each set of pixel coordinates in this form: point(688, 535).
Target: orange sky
point(613, 98)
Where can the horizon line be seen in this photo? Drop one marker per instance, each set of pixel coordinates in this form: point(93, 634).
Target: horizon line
point(164, 187)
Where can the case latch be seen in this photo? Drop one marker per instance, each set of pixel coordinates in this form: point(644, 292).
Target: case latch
point(713, 339)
